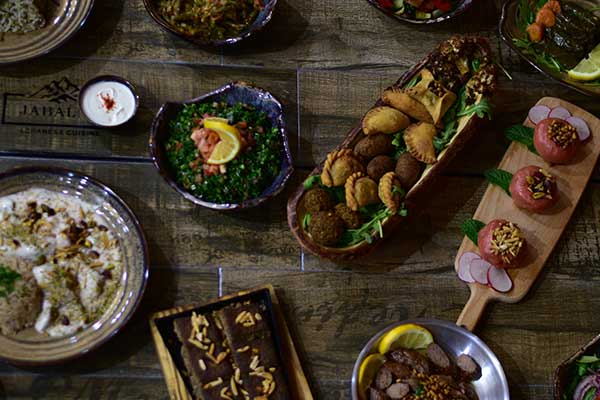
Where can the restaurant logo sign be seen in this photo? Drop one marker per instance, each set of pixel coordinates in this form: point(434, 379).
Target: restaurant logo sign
point(54, 104)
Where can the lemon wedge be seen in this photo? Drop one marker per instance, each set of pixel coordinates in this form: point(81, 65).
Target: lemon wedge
point(409, 336)
point(367, 371)
point(230, 144)
point(588, 69)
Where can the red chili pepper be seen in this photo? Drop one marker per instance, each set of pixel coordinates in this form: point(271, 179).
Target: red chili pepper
point(386, 3)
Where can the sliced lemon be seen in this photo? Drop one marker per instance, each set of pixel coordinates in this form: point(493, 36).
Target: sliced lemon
point(409, 336)
point(588, 69)
point(230, 144)
point(216, 119)
point(367, 371)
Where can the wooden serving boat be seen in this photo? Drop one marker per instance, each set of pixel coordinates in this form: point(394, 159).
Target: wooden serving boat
point(468, 126)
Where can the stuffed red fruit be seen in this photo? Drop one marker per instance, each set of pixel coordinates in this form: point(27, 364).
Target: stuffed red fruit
point(556, 140)
point(533, 189)
point(502, 244)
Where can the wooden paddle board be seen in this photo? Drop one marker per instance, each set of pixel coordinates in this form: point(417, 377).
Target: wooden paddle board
point(542, 232)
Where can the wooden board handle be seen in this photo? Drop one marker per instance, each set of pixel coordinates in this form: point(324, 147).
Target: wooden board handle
point(473, 310)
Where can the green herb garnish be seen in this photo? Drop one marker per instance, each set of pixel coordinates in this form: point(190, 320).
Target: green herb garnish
point(312, 181)
point(499, 177)
point(306, 221)
point(375, 215)
point(413, 82)
point(471, 228)
point(482, 109)
point(8, 277)
point(399, 144)
point(521, 134)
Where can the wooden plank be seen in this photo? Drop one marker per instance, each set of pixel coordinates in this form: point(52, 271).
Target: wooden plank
point(40, 112)
point(182, 235)
point(542, 231)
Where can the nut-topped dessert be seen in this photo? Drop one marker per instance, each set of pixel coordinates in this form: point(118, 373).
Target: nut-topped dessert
point(230, 354)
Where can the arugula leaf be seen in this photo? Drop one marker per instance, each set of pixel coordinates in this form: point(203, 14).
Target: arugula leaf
point(499, 177)
point(521, 134)
point(374, 215)
point(588, 359)
point(413, 82)
point(399, 144)
point(312, 181)
point(8, 277)
point(482, 109)
point(471, 228)
point(306, 221)
point(475, 64)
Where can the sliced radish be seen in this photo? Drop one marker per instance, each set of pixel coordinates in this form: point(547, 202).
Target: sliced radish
point(583, 130)
point(538, 113)
point(560, 113)
point(479, 270)
point(499, 280)
point(464, 266)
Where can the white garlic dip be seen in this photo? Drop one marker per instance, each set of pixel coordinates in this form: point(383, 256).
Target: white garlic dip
point(108, 103)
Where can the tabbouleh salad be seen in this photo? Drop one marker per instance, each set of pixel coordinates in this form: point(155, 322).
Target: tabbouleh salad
point(189, 147)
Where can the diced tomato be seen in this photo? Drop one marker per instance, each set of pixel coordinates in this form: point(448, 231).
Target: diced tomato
point(386, 3)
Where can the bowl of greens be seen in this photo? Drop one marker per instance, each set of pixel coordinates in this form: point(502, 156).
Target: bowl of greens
point(561, 39)
point(211, 23)
point(578, 378)
point(225, 150)
point(422, 11)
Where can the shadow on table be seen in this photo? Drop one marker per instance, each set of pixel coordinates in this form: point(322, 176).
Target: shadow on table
point(285, 28)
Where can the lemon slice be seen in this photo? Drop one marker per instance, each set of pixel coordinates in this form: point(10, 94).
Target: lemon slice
point(409, 336)
point(230, 144)
point(367, 371)
point(588, 69)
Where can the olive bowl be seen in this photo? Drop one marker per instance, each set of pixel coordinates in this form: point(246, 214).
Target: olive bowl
point(455, 340)
point(510, 31)
point(462, 7)
point(564, 371)
point(231, 93)
point(259, 23)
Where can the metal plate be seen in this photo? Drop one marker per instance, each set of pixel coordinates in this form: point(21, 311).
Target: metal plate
point(455, 340)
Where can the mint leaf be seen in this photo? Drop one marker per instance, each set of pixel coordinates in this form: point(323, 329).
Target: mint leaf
point(499, 177)
point(521, 134)
point(471, 228)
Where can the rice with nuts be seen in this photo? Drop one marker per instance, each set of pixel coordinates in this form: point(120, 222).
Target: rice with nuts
point(60, 248)
point(20, 16)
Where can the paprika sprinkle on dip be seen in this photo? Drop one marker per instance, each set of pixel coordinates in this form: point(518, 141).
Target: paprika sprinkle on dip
point(108, 102)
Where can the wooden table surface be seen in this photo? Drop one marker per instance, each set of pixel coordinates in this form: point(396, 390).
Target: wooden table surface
point(327, 61)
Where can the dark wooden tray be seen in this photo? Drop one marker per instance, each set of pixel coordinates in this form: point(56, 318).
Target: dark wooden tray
point(169, 348)
point(414, 198)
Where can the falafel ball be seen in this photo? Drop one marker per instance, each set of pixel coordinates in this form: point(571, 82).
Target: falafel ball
point(408, 170)
point(316, 200)
point(379, 165)
point(351, 219)
point(374, 145)
point(326, 228)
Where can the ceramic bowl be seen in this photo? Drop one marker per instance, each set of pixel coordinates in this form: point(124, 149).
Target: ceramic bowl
point(509, 30)
point(64, 18)
point(261, 21)
point(232, 93)
point(444, 17)
point(563, 371)
point(109, 78)
point(455, 340)
point(31, 348)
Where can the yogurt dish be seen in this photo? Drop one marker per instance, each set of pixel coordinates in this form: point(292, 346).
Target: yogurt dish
point(108, 101)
